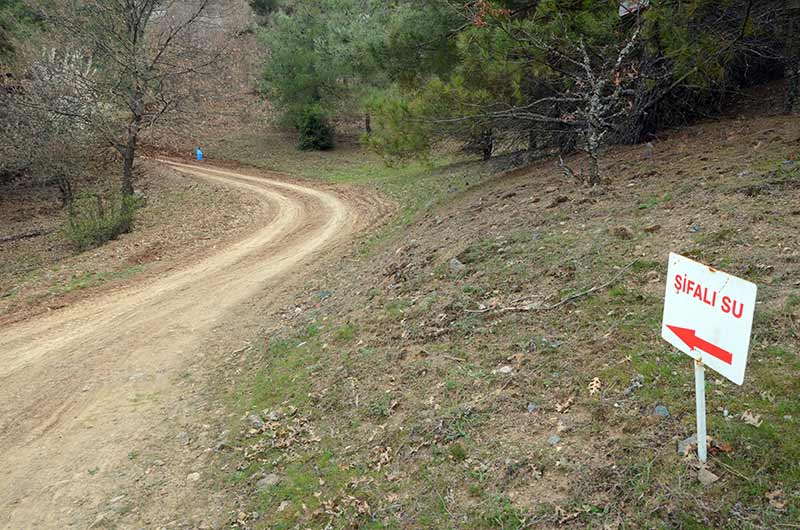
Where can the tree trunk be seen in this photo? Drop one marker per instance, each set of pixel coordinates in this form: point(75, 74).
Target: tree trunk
point(595, 132)
point(129, 150)
point(532, 144)
point(128, 159)
point(487, 144)
point(793, 88)
point(593, 137)
point(792, 56)
point(594, 169)
point(65, 188)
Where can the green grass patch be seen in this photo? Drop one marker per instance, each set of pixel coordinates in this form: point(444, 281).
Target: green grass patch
point(93, 279)
point(414, 186)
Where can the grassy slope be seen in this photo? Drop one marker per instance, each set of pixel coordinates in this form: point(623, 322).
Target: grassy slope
point(394, 413)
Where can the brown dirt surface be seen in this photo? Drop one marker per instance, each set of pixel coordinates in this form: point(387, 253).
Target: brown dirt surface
point(182, 219)
point(99, 415)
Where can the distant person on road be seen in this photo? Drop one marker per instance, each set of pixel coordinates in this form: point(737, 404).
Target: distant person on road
point(199, 153)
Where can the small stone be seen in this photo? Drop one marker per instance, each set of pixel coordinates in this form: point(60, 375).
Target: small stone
point(554, 439)
point(684, 445)
point(255, 421)
point(623, 232)
point(184, 438)
point(101, 520)
point(267, 482)
point(788, 417)
point(652, 229)
point(273, 415)
point(193, 477)
point(532, 407)
point(695, 229)
point(662, 411)
point(284, 505)
point(140, 197)
point(706, 477)
point(456, 265)
point(558, 200)
point(636, 382)
point(652, 276)
point(505, 370)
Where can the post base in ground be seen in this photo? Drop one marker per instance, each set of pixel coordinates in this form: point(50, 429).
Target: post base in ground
point(700, 395)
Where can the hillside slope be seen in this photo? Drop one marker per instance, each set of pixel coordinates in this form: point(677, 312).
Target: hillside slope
point(407, 390)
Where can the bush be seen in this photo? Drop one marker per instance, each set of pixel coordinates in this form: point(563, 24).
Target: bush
point(315, 131)
point(92, 221)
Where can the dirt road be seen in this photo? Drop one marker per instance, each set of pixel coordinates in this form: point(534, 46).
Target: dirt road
point(81, 388)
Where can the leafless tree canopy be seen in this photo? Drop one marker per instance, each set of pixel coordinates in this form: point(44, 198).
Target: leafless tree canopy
point(140, 56)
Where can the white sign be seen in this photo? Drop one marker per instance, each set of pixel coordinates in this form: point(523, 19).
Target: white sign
point(708, 315)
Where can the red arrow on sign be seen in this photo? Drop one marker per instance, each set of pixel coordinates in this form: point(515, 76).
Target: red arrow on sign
point(689, 337)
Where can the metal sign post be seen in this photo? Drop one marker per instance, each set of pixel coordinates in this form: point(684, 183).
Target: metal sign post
point(700, 396)
point(708, 315)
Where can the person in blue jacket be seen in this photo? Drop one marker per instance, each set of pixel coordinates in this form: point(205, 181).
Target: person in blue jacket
point(199, 154)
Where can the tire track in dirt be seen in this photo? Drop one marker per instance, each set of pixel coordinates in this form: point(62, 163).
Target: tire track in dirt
point(68, 403)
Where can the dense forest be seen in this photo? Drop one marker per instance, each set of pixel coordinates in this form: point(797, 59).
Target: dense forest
point(545, 77)
point(552, 74)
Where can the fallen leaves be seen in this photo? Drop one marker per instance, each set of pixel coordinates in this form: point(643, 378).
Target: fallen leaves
point(338, 507)
point(776, 499)
point(595, 386)
point(752, 419)
point(282, 432)
point(564, 516)
point(714, 447)
point(717, 447)
point(564, 406)
point(381, 456)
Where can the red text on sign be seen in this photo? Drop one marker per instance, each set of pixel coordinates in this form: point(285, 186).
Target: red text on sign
point(683, 284)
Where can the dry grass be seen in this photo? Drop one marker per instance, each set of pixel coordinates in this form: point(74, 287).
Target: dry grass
point(182, 218)
point(399, 362)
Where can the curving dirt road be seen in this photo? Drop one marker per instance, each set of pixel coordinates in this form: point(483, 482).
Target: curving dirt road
point(82, 386)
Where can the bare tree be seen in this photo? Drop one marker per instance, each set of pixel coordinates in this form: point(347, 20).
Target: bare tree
point(589, 95)
point(51, 147)
point(143, 51)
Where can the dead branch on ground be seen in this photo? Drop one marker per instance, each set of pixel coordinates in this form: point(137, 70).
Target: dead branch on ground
point(567, 300)
point(25, 235)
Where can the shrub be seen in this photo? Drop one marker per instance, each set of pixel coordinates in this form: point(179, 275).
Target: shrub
point(93, 221)
point(315, 131)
